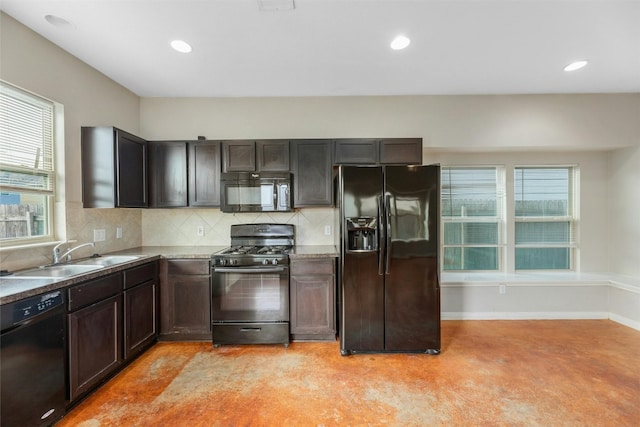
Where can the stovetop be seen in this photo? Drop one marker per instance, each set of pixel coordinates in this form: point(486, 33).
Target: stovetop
point(256, 250)
point(257, 244)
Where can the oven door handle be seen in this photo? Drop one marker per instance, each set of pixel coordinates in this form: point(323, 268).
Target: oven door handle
point(249, 269)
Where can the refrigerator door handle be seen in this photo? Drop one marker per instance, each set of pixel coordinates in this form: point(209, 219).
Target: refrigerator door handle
point(387, 252)
point(383, 237)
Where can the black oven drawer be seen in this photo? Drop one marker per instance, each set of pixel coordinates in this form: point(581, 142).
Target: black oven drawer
point(250, 333)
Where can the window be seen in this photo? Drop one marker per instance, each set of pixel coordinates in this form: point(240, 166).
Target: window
point(544, 218)
point(26, 166)
point(472, 217)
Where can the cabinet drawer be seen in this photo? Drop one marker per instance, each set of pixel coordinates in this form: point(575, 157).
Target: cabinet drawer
point(137, 275)
point(94, 291)
point(313, 266)
point(183, 266)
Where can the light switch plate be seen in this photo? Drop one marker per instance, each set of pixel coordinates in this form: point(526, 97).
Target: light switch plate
point(118, 232)
point(200, 231)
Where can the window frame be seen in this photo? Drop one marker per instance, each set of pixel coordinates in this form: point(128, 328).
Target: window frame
point(50, 172)
point(572, 218)
point(500, 219)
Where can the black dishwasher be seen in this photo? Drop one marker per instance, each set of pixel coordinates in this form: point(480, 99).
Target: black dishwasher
point(32, 381)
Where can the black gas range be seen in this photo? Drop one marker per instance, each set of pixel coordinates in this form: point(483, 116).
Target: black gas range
point(250, 286)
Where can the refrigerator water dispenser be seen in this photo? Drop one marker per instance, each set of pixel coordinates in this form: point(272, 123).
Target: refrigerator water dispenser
point(362, 233)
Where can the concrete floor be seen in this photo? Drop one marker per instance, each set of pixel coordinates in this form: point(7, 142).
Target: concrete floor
point(490, 373)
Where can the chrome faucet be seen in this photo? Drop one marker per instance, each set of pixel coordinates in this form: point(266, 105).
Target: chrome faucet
point(66, 256)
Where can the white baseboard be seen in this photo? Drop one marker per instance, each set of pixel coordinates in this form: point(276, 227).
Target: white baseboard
point(625, 321)
point(525, 315)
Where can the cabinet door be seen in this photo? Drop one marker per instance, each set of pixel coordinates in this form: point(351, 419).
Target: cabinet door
point(312, 165)
point(204, 173)
point(238, 156)
point(95, 344)
point(131, 165)
point(186, 301)
point(167, 174)
point(402, 151)
point(312, 300)
point(356, 151)
point(272, 155)
point(140, 318)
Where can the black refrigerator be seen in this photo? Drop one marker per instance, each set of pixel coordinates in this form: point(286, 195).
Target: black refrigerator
point(389, 287)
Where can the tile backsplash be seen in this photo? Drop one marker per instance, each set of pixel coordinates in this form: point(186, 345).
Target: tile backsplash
point(163, 227)
point(167, 227)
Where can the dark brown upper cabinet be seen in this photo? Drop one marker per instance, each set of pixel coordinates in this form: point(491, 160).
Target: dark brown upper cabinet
point(272, 155)
point(403, 151)
point(204, 173)
point(312, 167)
point(168, 174)
point(265, 155)
point(238, 156)
point(114, 168)
point(357, 151)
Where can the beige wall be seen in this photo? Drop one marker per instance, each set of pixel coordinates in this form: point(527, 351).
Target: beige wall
point(518, 129)
point(89, 98)
point(624, 211)
point(522, 122)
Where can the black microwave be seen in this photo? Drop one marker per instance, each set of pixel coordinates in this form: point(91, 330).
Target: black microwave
point(255, 192)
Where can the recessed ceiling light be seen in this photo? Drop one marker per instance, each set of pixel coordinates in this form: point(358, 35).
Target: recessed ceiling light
point(576, 65)
point(400, 42)
point(181, 46)
point(59, 22)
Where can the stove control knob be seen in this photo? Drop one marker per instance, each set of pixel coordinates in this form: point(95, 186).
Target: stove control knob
point(274, 261)
point(265, 261)
point(221, 261)
point(234, 261)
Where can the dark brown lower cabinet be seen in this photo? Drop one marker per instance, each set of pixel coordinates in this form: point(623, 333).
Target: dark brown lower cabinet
point(312, 299)
point(95, 344)
point(140, 318)
point(186, 300)
point(111, 320)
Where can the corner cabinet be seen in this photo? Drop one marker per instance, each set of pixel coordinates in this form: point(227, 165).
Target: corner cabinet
point(312, 167)
point(312, 299)
point(114, 168)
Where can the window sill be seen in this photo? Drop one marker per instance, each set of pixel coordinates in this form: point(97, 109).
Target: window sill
point(18, 247)
point(539, 279)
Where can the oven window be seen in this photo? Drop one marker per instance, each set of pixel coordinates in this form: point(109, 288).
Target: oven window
point(243, 195)
point(251, 292)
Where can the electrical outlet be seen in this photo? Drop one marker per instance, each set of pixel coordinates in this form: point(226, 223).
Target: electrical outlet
point(99, 235)
point(118, 232)
point(200, 231)
point(327, 230)
point(502, 289)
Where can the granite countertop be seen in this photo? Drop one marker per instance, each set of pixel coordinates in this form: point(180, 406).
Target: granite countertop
point(14, 289)
point(313, 251)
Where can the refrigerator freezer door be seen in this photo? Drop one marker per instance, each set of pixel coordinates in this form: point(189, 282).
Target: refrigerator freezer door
point(412, 291)
point(362, 287)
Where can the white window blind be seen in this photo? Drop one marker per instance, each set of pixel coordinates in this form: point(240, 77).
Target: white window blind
point(472, 204)
point(545, 224)
point(27, 176)
point(26, 142)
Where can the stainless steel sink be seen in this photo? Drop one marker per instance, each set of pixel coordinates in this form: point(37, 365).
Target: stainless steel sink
point(107, 260)
point(59, 271)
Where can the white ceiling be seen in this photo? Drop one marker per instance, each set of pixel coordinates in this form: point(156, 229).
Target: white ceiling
point(341, 47)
